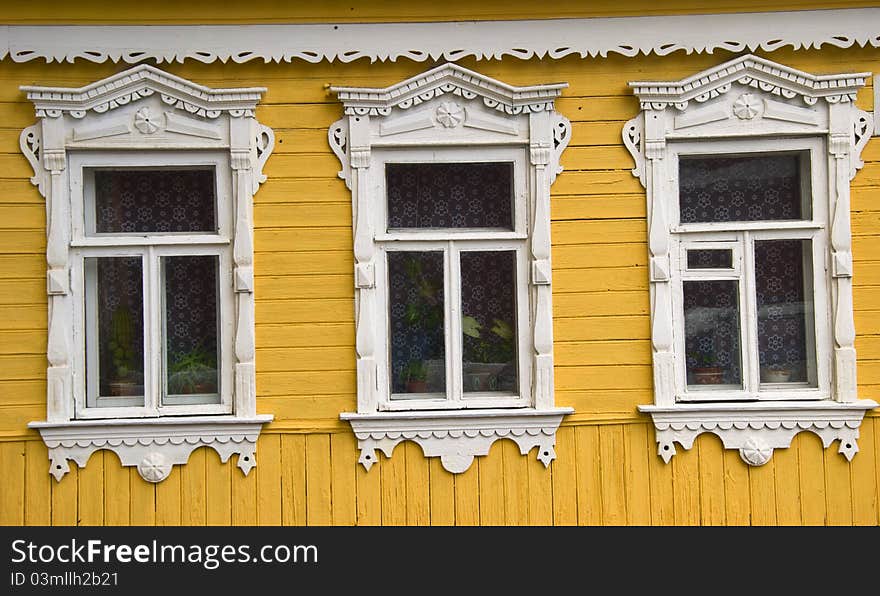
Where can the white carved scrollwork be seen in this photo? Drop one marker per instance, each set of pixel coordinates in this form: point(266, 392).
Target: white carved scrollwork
point(862, 129)
point(632, 140)
point(30, 141)
point(337, 136)
point(746, 106)
point(561, 127)
point(449, 114)
point(264, 144)
point(145, 122)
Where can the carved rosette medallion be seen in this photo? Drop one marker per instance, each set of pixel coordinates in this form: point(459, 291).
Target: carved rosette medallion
point(746, 106)
point(145, 122)
point(450, 114)
point(154, 467)
point(756, 452)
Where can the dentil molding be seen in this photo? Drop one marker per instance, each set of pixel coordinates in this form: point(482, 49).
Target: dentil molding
point(153, 445)
point(756, 429)
point(456, 437)
point(421, 42)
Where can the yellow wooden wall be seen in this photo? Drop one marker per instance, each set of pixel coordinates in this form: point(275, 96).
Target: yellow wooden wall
point(606, 472)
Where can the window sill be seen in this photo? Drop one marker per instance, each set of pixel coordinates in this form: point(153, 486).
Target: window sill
point(153, 445)
point(757, 428)
point(456, 437)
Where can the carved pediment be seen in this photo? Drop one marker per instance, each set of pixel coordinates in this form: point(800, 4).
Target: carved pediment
point(455, 82)
point(747, 73)
point(137, 83)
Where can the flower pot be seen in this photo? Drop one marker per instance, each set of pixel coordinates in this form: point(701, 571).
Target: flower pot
point(776, 375)
point(708, 375)
point(416, 386)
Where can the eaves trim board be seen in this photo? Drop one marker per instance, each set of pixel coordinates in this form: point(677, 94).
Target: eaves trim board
point(420, 42)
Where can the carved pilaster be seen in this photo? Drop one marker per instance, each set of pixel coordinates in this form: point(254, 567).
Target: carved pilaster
point(243, 262)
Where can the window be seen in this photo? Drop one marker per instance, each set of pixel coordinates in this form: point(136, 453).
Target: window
point(450, 174)
point(752, 308)
point(149, 181)
point(456, 295)
point(154, 245)
point(747, 169)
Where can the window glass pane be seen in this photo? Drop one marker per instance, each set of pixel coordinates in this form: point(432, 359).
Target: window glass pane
point(416, 305)
point(450, 195)
point(488, 307)
point(712, 333)
point(154, 201)
point(741, 188)
point(119, 304)
point(191, 328)
point(710, 259)
point(784, 299)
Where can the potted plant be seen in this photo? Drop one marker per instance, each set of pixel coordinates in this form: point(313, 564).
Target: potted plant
point(122, 380)
point(706, 369)
point(415, 377)
point(486, 355)
point(193, 372)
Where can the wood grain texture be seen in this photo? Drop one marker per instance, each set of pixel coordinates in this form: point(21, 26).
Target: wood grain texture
point(318, 506)
point(293, 480)
point(343, 457)
point(589, 482)
point(737, 495)
point(442, 494)
point(711, 466)
point(38, 488)
point(418, 487)
point(492, 487)
point(564, 475)
point(268, 472)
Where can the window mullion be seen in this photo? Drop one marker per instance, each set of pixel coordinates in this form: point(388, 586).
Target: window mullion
point(453, 329)
point(749, 324)
point(153, 322)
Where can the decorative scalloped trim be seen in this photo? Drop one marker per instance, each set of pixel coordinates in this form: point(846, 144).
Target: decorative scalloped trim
point(153, 447)
point(756, 430)
point(456, 439)
point(752, 71)
point(421, 42)
point(135, 84)
point(448, 79)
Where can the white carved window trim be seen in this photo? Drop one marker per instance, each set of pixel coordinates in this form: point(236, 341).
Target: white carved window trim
point(752, 103)
point(144, 117)
point(408, 122)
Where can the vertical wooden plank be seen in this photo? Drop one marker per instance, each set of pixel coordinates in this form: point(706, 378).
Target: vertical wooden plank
point(660, 475)
point(369, 493)
point(762, 494)
point(417, 486)
point(611, 454)
point(244, 495)
point(838, 492)
point(876, 422)
point(117, 494)
point(12, 469)
point(38, 490)
point(686, 485)
point(788, 495)
point(811, 477)
point(343, 460)
point(563, 474)
point(540, 491)
point(589, 484)
point(64, 498)
point(442, 494)
point(168, 499)
point(638, 490)
point(318, 480)
point(91, 491)
point(516, 485)
point(268, 480)
point(193, 487)
point(143, 499)
point(737, 498)
point(711, 466)
point(293, 480)
point(467, 496)
point(864, 480)
point(492, 487)
point(393, 471)
point(218, 490)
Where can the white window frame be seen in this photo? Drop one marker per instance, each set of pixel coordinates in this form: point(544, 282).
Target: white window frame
point(145, 118)
point(450, 114)
point(151, 248)
point(751, 105)
point(741, 236)
point(451, 242)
